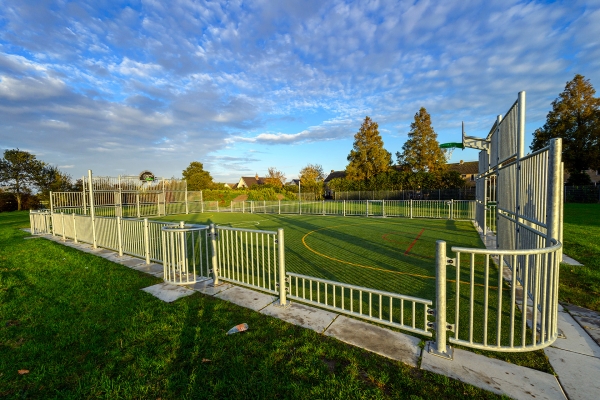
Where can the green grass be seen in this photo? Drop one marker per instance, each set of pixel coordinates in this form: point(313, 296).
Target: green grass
point(83, 328)
point(581, 237)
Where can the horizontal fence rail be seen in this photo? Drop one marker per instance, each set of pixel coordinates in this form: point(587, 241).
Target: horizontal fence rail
point(186, 258)
point(386, 308)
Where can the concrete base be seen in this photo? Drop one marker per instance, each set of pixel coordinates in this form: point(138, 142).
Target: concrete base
point(588, 319)
point(246, 298)
point(167, 292)
point(579, 375)
point(206, 287)
point(576, 339)
point(394, 345)
point(568, 260)
point(301, 315)
point(152, 269)
point(494, 375)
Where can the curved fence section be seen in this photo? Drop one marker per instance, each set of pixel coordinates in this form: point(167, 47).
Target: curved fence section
point(504, 300)
point(185, 253)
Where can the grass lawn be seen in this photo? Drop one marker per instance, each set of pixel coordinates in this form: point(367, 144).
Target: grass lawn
point(82, 328)
point(581, 236)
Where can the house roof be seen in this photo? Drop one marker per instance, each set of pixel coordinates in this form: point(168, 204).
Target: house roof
point(253, 180)
point(335, 174)
point(465, 168)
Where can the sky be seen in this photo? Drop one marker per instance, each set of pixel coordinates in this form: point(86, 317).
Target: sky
point(240, 86)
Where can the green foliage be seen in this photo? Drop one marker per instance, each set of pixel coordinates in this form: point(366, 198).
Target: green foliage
point(18, 171)
point(311, 180)
point(398, 180)
point(275, 178)
point(575, 117)
point(367, 157)
point(421, 152)
point(197, 178)
point(51, 179)
point(579, 178)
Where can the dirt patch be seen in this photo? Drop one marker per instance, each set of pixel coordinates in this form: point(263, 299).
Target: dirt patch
point(241, 197)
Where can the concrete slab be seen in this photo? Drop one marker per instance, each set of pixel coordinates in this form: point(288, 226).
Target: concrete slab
point(167, 292)
point(385, 342)
point(576, 338)
point(568, 260)
point(588, 319)
point(130, 262)
point(32, 237)
point(206, 287)
point(246, 298)
point(302, 315)
point(152, 269)
point(579, 375)
point(494, 375)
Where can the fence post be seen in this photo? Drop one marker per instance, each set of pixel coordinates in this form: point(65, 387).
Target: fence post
point(231, 206)
point(147, 240)
point(383, 208)
point(554, 170)
point(323, 208)
point(243, 207)
point(62, 218)
point(187, 209)
point(282, 278)
point(217, 205)
point(74, 229)
point(137, 204)
point(440, 348)
point(120, 236)
point(92, 209)
point(279, 212)
point(214, 261)
point(411, 208)
point(300, 207)
point(344, 207)
point(367, 208)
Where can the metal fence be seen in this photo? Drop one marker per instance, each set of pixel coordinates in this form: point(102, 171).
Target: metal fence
point(386, 308)
point(582, 194)
point(444, 209)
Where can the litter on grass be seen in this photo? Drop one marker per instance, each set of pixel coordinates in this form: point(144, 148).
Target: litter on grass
point(238, 328)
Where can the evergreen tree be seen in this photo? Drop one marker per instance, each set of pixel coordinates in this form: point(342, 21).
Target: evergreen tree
point(367, 157)
point(421, 152)
point(197, 178)
point(575, 117)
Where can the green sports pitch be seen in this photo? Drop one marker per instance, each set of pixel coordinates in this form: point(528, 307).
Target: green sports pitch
point(391, 254)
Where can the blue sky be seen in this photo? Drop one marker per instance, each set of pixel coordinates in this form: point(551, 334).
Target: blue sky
point(241, 86)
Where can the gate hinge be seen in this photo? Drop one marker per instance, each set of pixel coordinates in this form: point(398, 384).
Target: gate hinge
point(431, 311)
point(450, 327)
point(451, 261)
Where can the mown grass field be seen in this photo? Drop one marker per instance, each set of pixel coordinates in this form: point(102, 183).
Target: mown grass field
point(581, 285)
point(82, 328)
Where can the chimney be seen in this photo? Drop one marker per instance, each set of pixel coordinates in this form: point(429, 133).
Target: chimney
point(257, 174)
point(462, 162)
point(332, 171)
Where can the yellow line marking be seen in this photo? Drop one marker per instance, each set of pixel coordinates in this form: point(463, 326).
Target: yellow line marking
point(374, 268)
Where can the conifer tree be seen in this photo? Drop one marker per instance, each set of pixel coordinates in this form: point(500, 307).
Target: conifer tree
point(575, 117)
point(421, 152)
point(367, 157)
point(197, 178)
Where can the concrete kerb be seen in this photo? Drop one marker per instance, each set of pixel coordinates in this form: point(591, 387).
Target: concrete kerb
point(383, 341)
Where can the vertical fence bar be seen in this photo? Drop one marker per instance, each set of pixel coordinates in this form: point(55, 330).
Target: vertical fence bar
point(74, 229)
point(120, 236)
point(214, 261)
point(92, 209)
point(441, 349)
point(147, 240)
point(281, 261)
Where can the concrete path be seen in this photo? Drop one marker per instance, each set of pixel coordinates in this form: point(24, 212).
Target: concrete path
point(575, 358)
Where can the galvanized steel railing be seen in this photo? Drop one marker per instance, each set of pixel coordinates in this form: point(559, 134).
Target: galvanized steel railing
point(185, 253)
point(386, 308)
point(40, 222)
point(494, 311)
point(249, 257)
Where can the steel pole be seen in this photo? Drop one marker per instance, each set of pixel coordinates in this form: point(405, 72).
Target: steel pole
point(92, 208)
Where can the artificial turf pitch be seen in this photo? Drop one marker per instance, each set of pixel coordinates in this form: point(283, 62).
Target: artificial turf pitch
point(391, 254)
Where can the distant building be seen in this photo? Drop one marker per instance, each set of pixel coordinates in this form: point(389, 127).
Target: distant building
point(293, 182)
point(249, 181)
point(467, 170)
point(230, 185)
point(332, 175)
point(594, 176)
